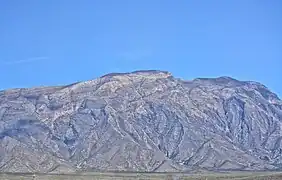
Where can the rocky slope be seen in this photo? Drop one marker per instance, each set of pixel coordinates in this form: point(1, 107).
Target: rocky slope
point(141, 121)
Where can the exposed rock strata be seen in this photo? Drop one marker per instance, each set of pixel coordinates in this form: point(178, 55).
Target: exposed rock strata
point(141, 121)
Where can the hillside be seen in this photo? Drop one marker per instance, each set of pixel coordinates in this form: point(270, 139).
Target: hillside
point(141, 121)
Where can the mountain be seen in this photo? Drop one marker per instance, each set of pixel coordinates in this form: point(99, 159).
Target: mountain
point(141, 121)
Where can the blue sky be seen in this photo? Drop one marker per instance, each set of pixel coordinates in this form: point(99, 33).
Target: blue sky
point(58, 42)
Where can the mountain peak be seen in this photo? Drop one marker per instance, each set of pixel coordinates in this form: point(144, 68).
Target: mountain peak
point(153, 73)
point(139, 116)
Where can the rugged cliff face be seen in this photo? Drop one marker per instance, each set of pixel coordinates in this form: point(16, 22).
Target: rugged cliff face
point(141, 121)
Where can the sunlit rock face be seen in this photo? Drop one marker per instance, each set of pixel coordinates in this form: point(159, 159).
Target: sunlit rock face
point(141, 121)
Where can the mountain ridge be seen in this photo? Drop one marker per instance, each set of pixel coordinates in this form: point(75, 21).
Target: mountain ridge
point(141, 121)
point(140, 72)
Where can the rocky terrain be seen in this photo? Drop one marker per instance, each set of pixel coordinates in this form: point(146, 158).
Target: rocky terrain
point(141, 121)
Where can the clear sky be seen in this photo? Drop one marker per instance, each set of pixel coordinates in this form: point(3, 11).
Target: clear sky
point(57, 42)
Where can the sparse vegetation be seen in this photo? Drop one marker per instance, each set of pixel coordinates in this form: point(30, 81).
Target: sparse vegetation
point(146, 176)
